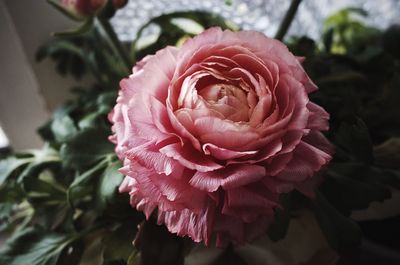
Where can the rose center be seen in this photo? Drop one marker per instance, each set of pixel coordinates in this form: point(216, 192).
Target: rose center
point(214, 93)
point(227, 99)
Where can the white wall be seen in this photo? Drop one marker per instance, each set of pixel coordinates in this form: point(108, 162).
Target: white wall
point(28, 91)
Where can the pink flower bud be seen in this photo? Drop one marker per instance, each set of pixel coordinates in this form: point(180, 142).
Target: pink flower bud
point(84, 8)
point(119, 3)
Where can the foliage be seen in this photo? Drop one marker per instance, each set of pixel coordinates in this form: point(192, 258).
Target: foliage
point(173, 32)
point(59, 200)
point(358, 77)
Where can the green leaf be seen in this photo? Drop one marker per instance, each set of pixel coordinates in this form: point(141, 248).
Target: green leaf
point(90, 121)
point(11, 196)
point(9, 165)
point(6, 210)
point(106, 101)
point(108, 184)
point(278, 229)
point(58, 45)
point(40, 159)
point(133, 259)
point(62, 126)
point(42, 192)
point(118, 242)
point(114, 262)
point(302, 46)
point(354, 138)
point(57, 5)
point(170, 33)
point(387, 154)
point(86, 147)
point(358, 186)
point(68, 55)
point(79, 187)
point(158, 246)
point(341, 232)
point(33, 246)
point(11, 192)
point(83, 28)
point(391, 40)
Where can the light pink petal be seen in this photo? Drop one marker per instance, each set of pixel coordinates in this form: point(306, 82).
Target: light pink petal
point(190, 157)
point(159, 115)
point(155, 76)
point(197, 226)
point(267, 69)
point(224, 133)
point(228, 178)
point(180, 128)
point(139, 65)
point(261, 110)
point(274, 50)
point(166, 192)
point(226, 154)
point(149, 156)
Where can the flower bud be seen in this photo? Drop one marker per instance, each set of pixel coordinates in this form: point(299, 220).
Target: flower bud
point(84, 8)
point(119, 3)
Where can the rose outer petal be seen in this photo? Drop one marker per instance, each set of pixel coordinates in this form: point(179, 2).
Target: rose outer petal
point(227, 178)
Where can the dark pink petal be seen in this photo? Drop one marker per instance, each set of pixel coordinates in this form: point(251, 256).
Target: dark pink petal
point(318, 119)
point(229, 230)
point(307, 159)
point(317, 139)
point(247, 205)
point(277, 163)
point(310, 186)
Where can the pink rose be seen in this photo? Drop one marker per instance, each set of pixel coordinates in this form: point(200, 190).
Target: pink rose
point(211, 134)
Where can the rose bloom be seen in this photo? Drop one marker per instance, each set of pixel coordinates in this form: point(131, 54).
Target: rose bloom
point(85, 8)
point(211, 133)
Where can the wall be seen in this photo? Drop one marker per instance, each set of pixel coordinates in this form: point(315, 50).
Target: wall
point(28, 91)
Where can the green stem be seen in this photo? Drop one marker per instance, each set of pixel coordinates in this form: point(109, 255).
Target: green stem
point(112, 38)
point(84, 233)
point(287, 20)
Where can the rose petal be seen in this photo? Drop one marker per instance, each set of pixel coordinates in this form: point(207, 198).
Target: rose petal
point(228, 178)
point(190, 158)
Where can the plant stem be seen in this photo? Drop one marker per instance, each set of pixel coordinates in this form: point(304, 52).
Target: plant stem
point(287, 20)
point(112, 38)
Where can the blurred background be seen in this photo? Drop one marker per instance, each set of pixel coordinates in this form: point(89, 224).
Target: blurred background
point(30, 91)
